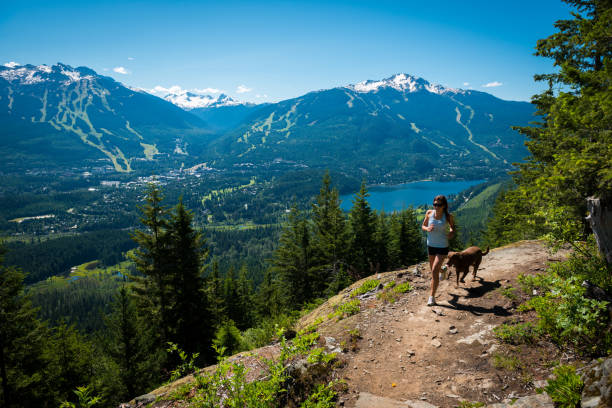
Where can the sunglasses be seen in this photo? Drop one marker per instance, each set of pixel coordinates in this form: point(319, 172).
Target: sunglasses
point(438, 205)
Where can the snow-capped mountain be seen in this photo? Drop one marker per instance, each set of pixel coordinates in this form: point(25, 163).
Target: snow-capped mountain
point(402, 83)
point(36, 74)
point(63, 114)
point(189, 100)
point(221, 112)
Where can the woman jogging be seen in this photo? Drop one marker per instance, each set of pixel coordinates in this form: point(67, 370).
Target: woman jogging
point(440, 227)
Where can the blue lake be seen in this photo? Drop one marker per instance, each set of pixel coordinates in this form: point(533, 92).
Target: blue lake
point(400, 196)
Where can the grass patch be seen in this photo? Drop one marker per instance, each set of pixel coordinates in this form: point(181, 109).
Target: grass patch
point(522, 333)
point(565, 388)
point(506, 362)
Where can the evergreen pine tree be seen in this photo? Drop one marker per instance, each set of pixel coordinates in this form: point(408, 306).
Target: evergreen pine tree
point(362, 223)
point(151, 258)
point(230, 295)
point(267, 298)
point(71, 361)
point(382, 238)
point(410, 239)
point(22, 342)
point(126, 344)
point(330, 236)
point(189, 319)
point(214, 290)
point(571, 146)
point(245, 299)
point(292, 261)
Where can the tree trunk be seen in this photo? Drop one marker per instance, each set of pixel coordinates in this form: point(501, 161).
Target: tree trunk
point(600, 219)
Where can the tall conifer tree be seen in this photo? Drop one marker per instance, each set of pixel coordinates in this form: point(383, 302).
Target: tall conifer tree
point(187, 252)
point(214, 290)
point(382, 239)
point(362, 222)
point(292, 261)
point(151, 259)
point(125, 343)
point(330, 236)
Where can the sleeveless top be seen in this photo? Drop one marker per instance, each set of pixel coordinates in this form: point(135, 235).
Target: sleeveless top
point(437, 238)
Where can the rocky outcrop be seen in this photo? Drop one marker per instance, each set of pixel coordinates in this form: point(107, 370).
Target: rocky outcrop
point(597, 378)
point(529, 401)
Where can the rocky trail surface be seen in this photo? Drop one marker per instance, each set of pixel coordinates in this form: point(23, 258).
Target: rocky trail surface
point(441, 355)
point(400, 353)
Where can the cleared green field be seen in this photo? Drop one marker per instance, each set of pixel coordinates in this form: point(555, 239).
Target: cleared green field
point(485, 198)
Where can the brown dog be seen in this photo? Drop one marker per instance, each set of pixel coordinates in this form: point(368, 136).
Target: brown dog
point(462, 261)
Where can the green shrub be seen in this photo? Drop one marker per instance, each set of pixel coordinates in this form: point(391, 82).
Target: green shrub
point(324, 396)
point(522, 333)
point(304, 341)
point(403, 288)
point(389, 285)
point(345, 309)
point(266, 331)
point(85, 399)
point(565, 314)
point(227, 385)
point(509, 292)
point(318, 355)
point(366, 287)
point(565, 388)
point(187, 364)
point(570, 318)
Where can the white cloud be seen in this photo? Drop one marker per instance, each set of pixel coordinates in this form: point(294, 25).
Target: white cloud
point(12, 64)
point(261, 96)
point(243, 89)
point(131, 58)
point(466, 84)
point(492, 84)
point(121, 70)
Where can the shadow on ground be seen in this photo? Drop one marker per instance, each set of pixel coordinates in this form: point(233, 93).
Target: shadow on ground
point(476, 292)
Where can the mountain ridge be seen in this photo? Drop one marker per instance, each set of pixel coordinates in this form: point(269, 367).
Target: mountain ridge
point(56, 106)
point(398, 128)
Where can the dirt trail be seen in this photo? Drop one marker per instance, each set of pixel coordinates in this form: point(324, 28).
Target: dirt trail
point(441, 354)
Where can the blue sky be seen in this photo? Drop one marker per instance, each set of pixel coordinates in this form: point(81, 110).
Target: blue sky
point(269, 51)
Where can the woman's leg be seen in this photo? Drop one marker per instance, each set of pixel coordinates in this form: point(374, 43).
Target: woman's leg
point(436, 265)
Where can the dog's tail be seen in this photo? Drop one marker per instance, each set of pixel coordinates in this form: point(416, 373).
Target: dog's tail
point(485, 252)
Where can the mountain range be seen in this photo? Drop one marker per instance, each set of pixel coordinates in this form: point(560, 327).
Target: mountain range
point(60, 114)
point(401, 127)
point(398, 128)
